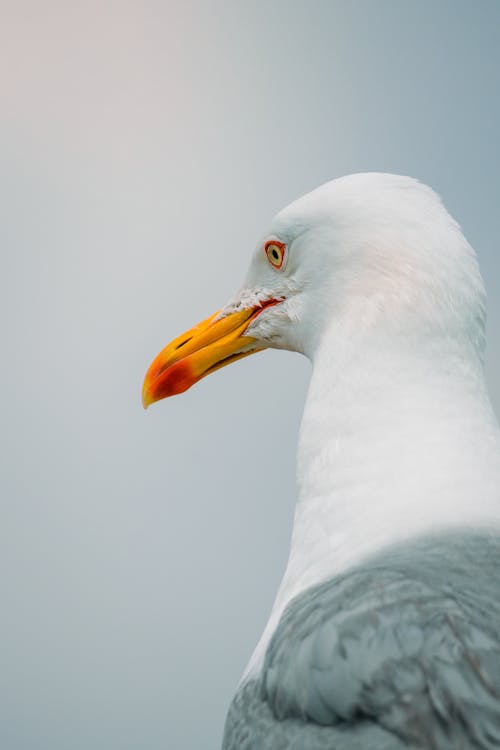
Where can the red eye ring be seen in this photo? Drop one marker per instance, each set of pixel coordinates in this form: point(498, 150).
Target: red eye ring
point(275, 252)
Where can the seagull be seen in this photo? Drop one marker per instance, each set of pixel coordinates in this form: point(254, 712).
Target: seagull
point(385, 632)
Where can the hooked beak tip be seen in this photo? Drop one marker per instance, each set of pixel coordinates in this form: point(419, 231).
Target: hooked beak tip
point(147, 400)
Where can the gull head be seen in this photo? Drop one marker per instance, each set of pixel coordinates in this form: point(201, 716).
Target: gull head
point(365, 257)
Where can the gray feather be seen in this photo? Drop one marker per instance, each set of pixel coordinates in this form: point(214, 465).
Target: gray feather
point(401, 652)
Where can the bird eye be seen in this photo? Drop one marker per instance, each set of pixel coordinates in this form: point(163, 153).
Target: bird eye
point(275, 252)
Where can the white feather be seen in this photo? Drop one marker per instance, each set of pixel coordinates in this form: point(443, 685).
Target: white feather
point(384, 295)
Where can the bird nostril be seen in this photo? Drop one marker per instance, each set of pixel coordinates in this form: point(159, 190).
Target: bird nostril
point(183, 342)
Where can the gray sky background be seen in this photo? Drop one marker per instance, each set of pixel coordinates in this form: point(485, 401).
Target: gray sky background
point(144, 148)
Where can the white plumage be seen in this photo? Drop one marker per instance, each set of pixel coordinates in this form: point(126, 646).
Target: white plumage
point(398, 437)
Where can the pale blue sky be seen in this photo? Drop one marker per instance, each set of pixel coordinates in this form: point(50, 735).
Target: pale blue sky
point(144, 148)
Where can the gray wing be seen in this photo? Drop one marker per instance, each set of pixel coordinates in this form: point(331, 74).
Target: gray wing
point(403, 652)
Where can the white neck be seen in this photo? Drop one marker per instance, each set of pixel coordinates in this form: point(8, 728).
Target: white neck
point(393, 441)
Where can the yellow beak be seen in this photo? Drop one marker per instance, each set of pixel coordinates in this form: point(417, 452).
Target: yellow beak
point(213, 343)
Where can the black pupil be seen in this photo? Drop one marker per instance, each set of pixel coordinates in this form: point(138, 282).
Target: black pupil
point(275, 254)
